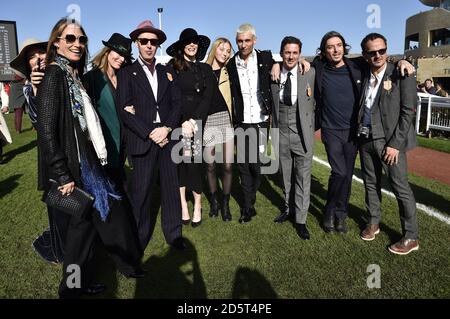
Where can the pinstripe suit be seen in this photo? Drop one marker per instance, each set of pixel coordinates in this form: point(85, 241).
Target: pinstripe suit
point(146, 156)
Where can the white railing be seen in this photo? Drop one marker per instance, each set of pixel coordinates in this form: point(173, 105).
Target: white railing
point(438, 112)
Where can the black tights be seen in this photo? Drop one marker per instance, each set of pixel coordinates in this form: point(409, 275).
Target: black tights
point(227, 178)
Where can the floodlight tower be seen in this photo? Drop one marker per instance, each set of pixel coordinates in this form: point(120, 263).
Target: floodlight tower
point(160, 12)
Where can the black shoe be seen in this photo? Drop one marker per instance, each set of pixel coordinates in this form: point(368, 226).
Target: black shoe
point(245, 216)
point(196, 224)
point(178, 244)
point(252, 212)
point(341, 225)
point(185, 222)
point(328, 222)
point(302, 231)
point(94, 289)
point(225, 211)
point(284, 216)
point(214, 209)
point(137, 273)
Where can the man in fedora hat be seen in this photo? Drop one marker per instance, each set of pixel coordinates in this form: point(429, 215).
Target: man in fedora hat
point(148, 103)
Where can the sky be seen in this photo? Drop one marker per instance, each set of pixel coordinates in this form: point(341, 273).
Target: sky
point(308, 20)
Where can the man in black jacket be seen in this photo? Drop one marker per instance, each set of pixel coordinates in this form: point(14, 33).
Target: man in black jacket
point(249, 72)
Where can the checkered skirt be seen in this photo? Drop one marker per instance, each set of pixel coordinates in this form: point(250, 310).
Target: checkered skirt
point(218, 129)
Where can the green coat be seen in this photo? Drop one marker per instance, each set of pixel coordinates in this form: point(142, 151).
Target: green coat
point(102, 94)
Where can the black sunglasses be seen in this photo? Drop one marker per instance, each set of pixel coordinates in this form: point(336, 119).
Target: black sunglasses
point(374, 53)
point(71, 38)
point(144, 41)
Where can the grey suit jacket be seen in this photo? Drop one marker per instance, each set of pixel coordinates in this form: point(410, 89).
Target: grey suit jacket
point(306, 106)
point(397, 101)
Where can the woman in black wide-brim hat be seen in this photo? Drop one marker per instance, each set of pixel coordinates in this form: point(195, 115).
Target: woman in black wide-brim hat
point(197, 83)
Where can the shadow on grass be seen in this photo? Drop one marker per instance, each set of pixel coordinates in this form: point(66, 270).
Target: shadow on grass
point(176, 275)
point(250, 284)
point(17, 151)
point(359, 215)
point(9, 184)
point(422, 195)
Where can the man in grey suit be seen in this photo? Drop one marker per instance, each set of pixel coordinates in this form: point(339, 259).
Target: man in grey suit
point(293, 115)
point(386, 131)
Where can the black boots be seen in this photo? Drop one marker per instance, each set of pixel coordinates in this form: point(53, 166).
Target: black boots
point(226, 215)
point(214, 210)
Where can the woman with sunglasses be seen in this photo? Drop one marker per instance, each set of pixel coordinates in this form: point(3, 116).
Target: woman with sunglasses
point(72, 151)
point(196, 82)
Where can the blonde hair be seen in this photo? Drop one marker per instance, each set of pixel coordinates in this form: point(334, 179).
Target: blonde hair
point(215, 45)
point(246, 27)
point(100, 61)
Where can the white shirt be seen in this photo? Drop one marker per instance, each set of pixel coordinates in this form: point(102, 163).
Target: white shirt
point(153, 80)
point(372, 89)
point(283, 79)
point(249, 81)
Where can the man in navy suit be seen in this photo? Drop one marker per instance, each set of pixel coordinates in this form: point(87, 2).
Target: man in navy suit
point(149, 106)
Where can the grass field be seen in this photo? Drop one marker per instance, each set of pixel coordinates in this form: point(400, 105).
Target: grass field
point(441, 144)
point(228, 260)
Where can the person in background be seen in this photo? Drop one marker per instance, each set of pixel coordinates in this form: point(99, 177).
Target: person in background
point(219, 130)
point(428, 87)
point(440, 90)
point(30, 64)
point(197, 84)
point(4, 98)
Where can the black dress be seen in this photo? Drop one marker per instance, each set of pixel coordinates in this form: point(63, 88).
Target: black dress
point(196, 84)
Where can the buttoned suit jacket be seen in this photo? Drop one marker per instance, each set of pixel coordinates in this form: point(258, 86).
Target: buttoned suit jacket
point(305, 110)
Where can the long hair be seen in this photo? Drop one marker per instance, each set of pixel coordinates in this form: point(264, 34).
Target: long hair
point(322, 51)
point(215, 45)
point(57, 30)
point(100, 61)
point(178, 62)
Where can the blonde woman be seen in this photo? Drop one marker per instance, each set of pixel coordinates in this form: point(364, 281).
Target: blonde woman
point(218, 129)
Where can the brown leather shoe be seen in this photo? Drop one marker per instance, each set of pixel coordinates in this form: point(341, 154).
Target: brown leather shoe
point(369, 233)
point(404, 246)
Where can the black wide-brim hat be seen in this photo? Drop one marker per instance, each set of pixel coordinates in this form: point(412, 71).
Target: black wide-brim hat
point(120, 44)
point(20, 64)
point(187, 36)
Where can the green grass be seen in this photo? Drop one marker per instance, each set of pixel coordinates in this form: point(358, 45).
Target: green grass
point(441, 144)
point(224, 260)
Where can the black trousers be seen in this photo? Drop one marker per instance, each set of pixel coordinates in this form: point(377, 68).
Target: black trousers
point(342, 148)
point(249, 159)
point(119, 236)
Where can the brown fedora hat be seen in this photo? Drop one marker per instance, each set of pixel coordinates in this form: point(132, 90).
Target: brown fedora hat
point(20, 63)
point(147, 26)
point(187, 36)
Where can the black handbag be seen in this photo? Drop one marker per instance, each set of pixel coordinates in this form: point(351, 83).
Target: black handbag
point(77, 204)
